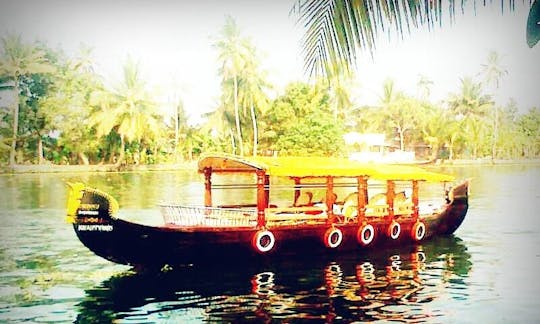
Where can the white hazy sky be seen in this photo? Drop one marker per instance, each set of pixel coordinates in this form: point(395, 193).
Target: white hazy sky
point(172, 41)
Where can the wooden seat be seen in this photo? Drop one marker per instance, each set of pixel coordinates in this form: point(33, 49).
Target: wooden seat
point(376, 210)
point(316, 213)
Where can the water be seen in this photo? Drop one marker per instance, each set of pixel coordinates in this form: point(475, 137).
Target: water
point(486, 272)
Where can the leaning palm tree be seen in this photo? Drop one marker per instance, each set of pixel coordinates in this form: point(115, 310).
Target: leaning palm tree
point(336, 29)
point(16, 61)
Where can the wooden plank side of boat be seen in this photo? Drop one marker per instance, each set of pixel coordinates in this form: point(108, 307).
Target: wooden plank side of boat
point(92, 213)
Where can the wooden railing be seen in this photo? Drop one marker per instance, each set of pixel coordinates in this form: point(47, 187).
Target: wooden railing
point(207, 216)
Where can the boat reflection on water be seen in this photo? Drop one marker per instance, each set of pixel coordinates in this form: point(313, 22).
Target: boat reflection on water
point(406, 284)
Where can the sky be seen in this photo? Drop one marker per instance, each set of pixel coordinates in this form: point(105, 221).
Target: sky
point(172, 41)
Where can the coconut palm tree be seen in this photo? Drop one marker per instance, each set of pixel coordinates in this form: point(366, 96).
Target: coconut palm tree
point(424, 85)
point(232, 52)
point(336, 29)
point(471, 102)
point(252, 93)
point(243, 83)
point(493, 72)
point(128, 110)
point(66, 109)
point(16, 61)
point(469, 107)
point(340, 82)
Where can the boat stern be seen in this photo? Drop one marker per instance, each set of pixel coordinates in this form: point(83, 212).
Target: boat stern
point(457, 209)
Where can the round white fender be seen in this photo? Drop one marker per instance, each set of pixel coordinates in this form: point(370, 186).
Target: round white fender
point(365, 234)
point(333, 237)
point(394, 230)
point(263, 241)
point(418, 231)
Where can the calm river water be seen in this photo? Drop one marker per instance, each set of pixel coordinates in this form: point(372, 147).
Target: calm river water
point(486, 272)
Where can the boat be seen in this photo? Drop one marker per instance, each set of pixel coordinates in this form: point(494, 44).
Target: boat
point(289, 207)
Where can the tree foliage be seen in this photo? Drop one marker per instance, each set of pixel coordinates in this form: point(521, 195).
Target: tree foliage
point(301, 122)
point(243, 88)
point(19, 60)
point(128, 111)
point(71, 116)
point(337, 29)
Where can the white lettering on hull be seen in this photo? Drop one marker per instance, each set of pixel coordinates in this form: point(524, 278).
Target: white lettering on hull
point(94, 228)
point(88, 212)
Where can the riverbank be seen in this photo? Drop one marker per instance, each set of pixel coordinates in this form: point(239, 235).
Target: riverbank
point(488, 161)
point(191, 165)
point(52, 168)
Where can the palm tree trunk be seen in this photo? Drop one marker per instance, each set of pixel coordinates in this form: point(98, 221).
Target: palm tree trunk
point(40, 150)
point(233, 143)
point(434, 151)
point(13, 151)
point(495, 135)
point(122, 151)
point(176, 132)
point(400, 131)
point(255, 130)
point(83, 158)
point(237, 117)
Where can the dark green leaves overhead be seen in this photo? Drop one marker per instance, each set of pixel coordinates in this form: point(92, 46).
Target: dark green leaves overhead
point(336, 29)
point(533, 24)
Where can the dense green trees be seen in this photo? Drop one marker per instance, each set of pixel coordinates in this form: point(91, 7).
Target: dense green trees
point(301, 122)
point(71, 117)
point(128, 111)
point(337, 30)
point(22, 63)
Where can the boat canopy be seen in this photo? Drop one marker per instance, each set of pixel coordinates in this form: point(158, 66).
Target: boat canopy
point(316, 167)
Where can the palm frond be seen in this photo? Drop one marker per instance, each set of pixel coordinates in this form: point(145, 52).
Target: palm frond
point(533, 24)
point(336, 29)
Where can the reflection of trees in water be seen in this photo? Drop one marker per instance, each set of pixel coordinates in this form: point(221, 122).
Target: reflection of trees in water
point(389, 285)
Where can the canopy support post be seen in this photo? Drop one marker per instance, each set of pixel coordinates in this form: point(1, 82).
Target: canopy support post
point(390, 194)
point(415, 200)
point(330, 198)
point(262, 197)
point(208, 187)
point(362, 199)
point(296, 190)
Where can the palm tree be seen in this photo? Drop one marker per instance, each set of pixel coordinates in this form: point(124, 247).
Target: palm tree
point(493, 73)
point(242, 82)
point(252, 93)
point(399, 111)
point(220, 123)
point(533, 25)
point(335, 29)
point(339, 82)
point(424, 85)
point(18, 60)
point(471, 102)
point(232, 51)
point(128, 110)
point(469, 107)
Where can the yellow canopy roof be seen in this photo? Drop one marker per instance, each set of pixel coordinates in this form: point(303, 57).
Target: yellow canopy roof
point(304, 167)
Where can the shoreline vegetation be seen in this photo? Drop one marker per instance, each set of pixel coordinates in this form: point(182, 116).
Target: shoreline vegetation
point(64, 114)
point(191, 165)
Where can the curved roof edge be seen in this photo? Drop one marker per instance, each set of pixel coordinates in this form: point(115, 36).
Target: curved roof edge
point(304, 167)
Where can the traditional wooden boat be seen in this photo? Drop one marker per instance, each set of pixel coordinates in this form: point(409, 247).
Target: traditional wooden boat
point(292, 208)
